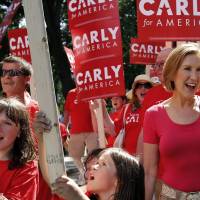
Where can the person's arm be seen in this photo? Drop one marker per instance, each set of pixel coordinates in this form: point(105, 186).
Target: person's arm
point(93, 108)
point(63, 186)
point(66, 119)
point(108, 123)
point(42, 124)
point(151, 157)
point(66, 188)
point(140, 146)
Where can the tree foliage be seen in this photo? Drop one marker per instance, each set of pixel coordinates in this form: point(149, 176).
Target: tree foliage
point(58, 34)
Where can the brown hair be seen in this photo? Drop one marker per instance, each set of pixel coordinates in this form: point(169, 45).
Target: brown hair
point(24, 65)
point(174, 61)
point(23, 149)
point(130, 175)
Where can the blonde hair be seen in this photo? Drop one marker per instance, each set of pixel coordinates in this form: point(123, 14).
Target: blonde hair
point(174, 61)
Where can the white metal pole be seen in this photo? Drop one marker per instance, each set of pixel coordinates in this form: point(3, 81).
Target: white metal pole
point(43, 80)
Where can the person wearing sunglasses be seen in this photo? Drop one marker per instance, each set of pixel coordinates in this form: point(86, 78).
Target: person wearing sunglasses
point(131, 116)
point(15, 76)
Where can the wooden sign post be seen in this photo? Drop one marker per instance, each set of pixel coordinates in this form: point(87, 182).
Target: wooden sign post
point(44, 84)
point(101, 132)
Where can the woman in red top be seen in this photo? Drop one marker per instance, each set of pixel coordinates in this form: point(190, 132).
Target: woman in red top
point(171, 130)
point(18, 171)
point(131, 114)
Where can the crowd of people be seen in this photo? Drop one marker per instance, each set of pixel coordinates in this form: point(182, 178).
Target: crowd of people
point(159, 154)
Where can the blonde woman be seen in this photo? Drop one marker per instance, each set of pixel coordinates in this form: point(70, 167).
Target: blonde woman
point(171, 130)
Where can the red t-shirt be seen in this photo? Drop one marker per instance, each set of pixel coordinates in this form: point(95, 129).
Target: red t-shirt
point(179, 148)
point(111, 139)
point(155, 95)
point(45, 191)
point(133, 125)
point(20, 183)
point(79, 112)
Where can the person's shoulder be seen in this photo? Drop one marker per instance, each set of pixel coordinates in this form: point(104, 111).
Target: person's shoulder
point(30, 167)
point(156, 107)
point(155, 89)
point(31, 163)
point(71, 93)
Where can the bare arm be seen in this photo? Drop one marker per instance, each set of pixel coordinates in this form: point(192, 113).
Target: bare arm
point(108, 123)
point(64, 186)
point(140, 146)
point(93, 116)
point(151, 157)
point(42, 124)
point(66, 118)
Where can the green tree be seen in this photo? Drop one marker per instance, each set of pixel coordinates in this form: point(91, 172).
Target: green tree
point(128, 20)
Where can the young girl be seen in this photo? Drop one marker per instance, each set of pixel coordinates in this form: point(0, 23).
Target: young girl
point(18, 171)
point(116, 176)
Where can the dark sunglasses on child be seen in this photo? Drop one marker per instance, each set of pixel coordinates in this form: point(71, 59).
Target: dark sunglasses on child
point(13, 72)
point(146, 85)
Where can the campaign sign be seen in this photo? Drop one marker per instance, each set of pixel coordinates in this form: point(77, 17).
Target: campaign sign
point(71, 58)
point(97, 41)
point(100, 79)
point(19, 45)
point(169, 19)
point(144, 52)
point(84, 12)
point(7, 20)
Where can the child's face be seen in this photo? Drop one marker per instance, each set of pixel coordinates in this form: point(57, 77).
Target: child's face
point(102, 177)
point(89, 165)
point(8, 133)
point(117, 102)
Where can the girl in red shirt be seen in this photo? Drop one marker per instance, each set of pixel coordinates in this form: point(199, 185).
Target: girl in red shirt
point(18, 170)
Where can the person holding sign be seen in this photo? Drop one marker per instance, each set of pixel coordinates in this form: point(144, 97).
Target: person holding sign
point(171, 130)
point(81, 131)
point(18, 169)
point(115, 175)
point(131, 116)
point(15, 76)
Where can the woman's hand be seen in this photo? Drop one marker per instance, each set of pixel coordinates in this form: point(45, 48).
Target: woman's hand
point(41, 123)
point(66, 188)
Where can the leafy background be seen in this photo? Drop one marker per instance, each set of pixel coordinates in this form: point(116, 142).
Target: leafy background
point(58, 35)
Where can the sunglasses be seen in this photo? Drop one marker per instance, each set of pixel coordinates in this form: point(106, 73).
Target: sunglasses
point(143, 85)
point(13, 72)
